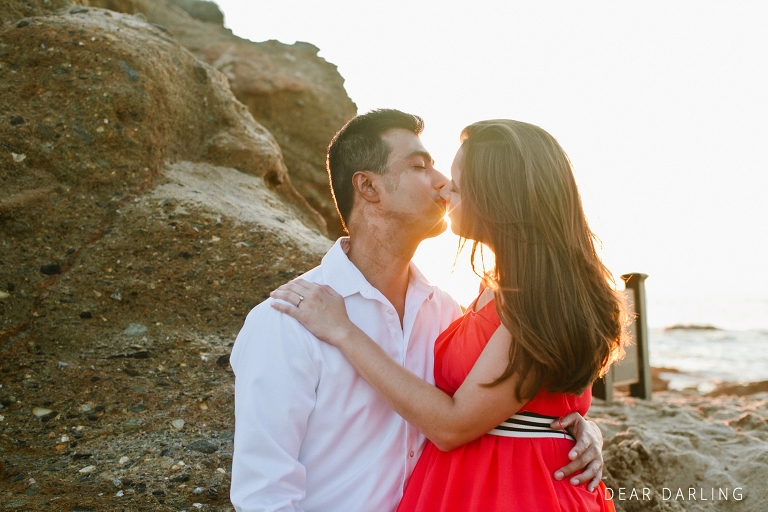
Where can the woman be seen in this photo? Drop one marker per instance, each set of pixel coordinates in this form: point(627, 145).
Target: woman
point(525, 353)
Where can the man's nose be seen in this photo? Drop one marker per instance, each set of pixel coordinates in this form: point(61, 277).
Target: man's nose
point(439, 179)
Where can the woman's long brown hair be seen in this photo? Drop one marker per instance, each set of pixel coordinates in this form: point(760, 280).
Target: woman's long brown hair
point(552, 291)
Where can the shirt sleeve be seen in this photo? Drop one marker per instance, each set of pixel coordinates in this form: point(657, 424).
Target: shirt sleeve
point(276, 376)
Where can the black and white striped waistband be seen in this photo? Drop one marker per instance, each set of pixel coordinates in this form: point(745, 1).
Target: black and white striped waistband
point(530, 424)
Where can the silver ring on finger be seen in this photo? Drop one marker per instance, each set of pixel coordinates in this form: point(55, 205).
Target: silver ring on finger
point(301, 298)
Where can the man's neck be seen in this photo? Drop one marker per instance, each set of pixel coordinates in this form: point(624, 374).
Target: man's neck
point(384, 261)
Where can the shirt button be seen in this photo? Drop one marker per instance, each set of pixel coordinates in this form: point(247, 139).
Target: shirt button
point(411, 454)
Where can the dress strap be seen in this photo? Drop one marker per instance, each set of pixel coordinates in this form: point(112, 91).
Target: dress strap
point(530, 424)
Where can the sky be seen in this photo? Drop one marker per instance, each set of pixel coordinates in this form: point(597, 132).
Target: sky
point(661, 106)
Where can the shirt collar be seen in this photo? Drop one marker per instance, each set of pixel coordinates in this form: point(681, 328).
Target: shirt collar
point(343, 276)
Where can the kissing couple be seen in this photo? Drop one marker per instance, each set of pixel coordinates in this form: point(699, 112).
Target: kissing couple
point(361, 387)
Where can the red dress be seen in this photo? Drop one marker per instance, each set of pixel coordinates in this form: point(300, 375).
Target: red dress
point(494, 473)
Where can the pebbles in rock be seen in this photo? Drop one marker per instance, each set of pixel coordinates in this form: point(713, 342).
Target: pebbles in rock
point(131, 425)
point(198, 490)
point(223, 361)
point(117, 295)
point(16, 121)
point(61, 365)
point(133, 75)
point(18, 157)
point(178, 424)
point(48, 417)
point(4, 295)
point(135, 330)
point(87, 469)
point(41, 412)
point(123, 460)
point(202, 446)
point(78, 10)
point(23, 23)
point(50, 269)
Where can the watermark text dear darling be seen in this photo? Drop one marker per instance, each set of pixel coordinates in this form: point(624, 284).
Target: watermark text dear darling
point(679, 494)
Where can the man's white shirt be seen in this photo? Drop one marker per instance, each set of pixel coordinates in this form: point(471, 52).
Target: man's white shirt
point(310, 434)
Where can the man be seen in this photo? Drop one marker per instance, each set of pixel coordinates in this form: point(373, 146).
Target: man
point(310, 434)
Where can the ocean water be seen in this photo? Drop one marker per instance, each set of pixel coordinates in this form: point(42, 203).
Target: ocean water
point(709, 357)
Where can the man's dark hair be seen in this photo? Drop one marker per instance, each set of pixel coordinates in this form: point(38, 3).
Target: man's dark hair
point(358, 146)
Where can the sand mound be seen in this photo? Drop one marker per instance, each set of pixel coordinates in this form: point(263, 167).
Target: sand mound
point(688, 452)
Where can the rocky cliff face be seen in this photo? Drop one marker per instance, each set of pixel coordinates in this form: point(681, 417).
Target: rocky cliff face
point(143, 213)
point(296, 95)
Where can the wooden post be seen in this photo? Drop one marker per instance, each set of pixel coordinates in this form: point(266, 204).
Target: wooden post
point(603, 388)
point(643, 387)
point(634, 370)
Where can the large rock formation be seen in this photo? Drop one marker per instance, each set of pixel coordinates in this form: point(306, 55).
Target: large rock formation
point(143, 213)
point(296, 95)
point(93, 103)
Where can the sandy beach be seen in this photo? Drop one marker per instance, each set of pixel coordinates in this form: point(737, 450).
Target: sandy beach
point(686, 451)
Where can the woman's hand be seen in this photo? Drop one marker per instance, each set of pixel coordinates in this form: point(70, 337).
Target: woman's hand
point(317, 307)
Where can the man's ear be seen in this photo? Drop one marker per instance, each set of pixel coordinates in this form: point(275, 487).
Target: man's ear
point(364, 183)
